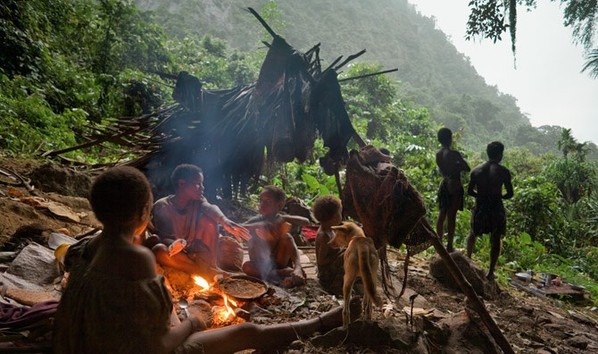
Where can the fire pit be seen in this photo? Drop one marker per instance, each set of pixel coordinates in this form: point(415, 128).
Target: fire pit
point(222, 300)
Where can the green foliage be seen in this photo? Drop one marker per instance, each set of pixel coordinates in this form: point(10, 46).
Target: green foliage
point(591, 64)
point(534, 209)
point(573, 178)
point(208, 59)
point(487, 19)
point(27, 122)
point(75, 61)
point(273, 16)
point(431, 72)
point(522, 251)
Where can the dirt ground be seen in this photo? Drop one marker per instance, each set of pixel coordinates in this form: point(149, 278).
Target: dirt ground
point(438, 322)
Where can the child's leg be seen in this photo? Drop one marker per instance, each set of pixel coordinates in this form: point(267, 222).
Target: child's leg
point(252, 269)
point(267, 337)
point(288, 262)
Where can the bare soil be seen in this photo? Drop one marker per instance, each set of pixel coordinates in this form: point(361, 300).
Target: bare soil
point(438, 322)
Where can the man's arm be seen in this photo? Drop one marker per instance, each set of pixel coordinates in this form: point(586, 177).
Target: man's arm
point(463, 164)
point(214, 212)
point(471, 188)
point(163, 226)
point(508, 185)
point(296, 219)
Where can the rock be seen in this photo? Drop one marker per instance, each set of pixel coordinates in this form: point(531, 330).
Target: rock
point(578, 341)
point(51, 177)
point(467, 336)
point(418, 301)
point(557, 330)
point(34, 268)
point(474, 275)
point(361, 333)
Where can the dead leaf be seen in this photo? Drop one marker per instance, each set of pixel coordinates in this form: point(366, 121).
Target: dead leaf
point(36, 202)
point(62, 211)
point(14, 192)
point(417, 311)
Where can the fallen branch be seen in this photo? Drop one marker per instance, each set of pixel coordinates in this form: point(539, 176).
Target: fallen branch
point(368, 75)
point(21, 180)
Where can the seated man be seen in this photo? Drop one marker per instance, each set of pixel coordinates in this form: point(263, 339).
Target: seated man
point(187, 215)
point(273, 254)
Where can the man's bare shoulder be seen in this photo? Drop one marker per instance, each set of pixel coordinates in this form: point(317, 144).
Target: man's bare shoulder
point(478, 169)
point(504, 171)
point(161, 204)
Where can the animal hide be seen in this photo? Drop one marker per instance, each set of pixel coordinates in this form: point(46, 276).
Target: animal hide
point(389, 207)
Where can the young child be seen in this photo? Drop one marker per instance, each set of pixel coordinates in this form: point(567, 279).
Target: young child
point(328, 211)
point(118, 304)
point(273, 254)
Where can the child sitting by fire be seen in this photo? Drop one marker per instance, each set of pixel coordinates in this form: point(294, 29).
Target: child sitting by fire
point(328, 211)
point(273, 254)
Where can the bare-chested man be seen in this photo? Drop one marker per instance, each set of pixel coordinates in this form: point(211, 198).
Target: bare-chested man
point(450, 195)
point(486, 185)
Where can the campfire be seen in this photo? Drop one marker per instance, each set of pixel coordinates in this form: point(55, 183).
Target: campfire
point(221, 315)
point(223, 301)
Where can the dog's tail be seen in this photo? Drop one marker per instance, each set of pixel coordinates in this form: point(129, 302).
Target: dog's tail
point(368, 265)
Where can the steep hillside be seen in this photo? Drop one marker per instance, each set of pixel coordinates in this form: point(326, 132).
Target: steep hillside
point(431, 71)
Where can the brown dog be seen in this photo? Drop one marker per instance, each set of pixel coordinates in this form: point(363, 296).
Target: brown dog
point(360, 259)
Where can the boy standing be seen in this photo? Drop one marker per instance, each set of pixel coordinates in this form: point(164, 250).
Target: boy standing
point(328, 211)
point(486, 183)
point(273, 254)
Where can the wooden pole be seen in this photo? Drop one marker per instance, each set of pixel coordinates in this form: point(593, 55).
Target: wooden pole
point(471, 295)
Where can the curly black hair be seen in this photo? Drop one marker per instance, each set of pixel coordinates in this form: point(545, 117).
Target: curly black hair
point(326, 207)
point(120, 196)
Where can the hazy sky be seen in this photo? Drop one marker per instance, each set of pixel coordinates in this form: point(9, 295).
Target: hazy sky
point(547, 82)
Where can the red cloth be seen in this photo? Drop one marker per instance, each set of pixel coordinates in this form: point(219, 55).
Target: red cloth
point(310, 232)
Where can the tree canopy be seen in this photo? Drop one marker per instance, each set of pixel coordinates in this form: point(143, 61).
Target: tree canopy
point(492, 18)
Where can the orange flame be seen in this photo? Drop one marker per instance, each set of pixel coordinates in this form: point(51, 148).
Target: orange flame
point(227, 312)
point(223, 314)
point(201, 282)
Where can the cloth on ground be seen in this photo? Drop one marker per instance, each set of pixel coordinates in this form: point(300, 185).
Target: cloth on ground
point(16, 316)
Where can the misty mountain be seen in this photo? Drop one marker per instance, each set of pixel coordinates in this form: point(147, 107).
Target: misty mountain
point(431, 72)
